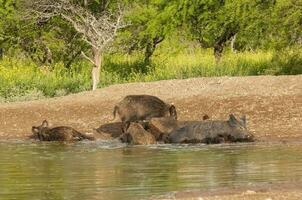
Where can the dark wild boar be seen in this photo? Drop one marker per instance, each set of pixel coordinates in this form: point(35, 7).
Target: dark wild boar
point(209, 131)
point(135, 108)
point(61, 133)
point(137, 135)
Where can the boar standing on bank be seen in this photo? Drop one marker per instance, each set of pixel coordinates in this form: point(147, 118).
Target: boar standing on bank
point(135, 108)
point(209, 132)
point(61, 133)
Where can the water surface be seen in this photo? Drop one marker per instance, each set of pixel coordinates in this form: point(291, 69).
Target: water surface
point(96, 170)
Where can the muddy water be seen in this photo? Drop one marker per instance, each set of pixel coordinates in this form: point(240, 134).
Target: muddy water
point(110, 171)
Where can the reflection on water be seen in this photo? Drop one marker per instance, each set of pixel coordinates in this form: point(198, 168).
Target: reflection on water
point(105, 171)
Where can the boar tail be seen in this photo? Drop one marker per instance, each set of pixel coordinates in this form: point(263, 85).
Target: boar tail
point(114, 112)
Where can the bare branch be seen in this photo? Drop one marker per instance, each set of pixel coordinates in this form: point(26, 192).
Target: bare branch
point(96, 30)
point(86, 57)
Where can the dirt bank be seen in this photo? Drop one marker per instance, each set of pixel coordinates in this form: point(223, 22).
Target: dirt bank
point(273, 105)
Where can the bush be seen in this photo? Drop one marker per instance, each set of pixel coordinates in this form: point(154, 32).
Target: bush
point(20, 79)
point(288, 62)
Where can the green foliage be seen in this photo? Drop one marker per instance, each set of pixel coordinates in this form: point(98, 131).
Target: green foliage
point(214, 23)
point(7, 13)
point(45, 42)
point(150, 23)
point(206, 20)
point(255, 21)
point(288, 62)
point(23, 80)
point(19, 78)
point(163, 40)
point(287, 24)
point(7, 7)
point(64, 42)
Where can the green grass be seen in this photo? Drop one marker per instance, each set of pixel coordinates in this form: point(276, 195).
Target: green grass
point(22, 80)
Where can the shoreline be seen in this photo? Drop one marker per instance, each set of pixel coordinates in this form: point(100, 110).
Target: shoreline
point(272, 104)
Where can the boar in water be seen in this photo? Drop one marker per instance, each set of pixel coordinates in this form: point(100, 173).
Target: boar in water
point(160, 127)
point(232, 130)
point(135, 108)
point(61, 133)
point(137, 135)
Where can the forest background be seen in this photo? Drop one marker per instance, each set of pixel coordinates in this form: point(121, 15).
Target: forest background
point(56, 47)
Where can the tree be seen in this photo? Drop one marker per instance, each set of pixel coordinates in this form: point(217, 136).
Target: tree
point(150, 23)
point(7, 9)
point(256, 23)
point(215, 23)
point(63, 41)
point(94, 20)
point(287, 19)
point(211, 23)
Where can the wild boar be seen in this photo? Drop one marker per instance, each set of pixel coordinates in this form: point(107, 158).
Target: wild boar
point(137, 135)
point(135, 108)
point(160, 127)
point(209, 131)
point(61, 133)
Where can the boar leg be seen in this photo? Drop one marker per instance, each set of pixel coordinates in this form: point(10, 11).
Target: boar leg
point(126, 125)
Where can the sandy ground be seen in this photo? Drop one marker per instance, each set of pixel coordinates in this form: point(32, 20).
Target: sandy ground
point(273, 106)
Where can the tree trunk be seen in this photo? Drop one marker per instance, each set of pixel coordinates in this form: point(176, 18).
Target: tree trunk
point(1, 53)
point(221, 41)
point(233, 43)
point(97, 56)
point(148, 53)
point(150, 48)
point(47, 57)
point(85, 3)
point(218, 49)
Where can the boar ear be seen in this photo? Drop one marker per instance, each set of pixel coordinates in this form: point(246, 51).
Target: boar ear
point(35, 129)
point(243, 119)
point(172, 111)
point(205, 117)
point(232, 120)
point(45, 124)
